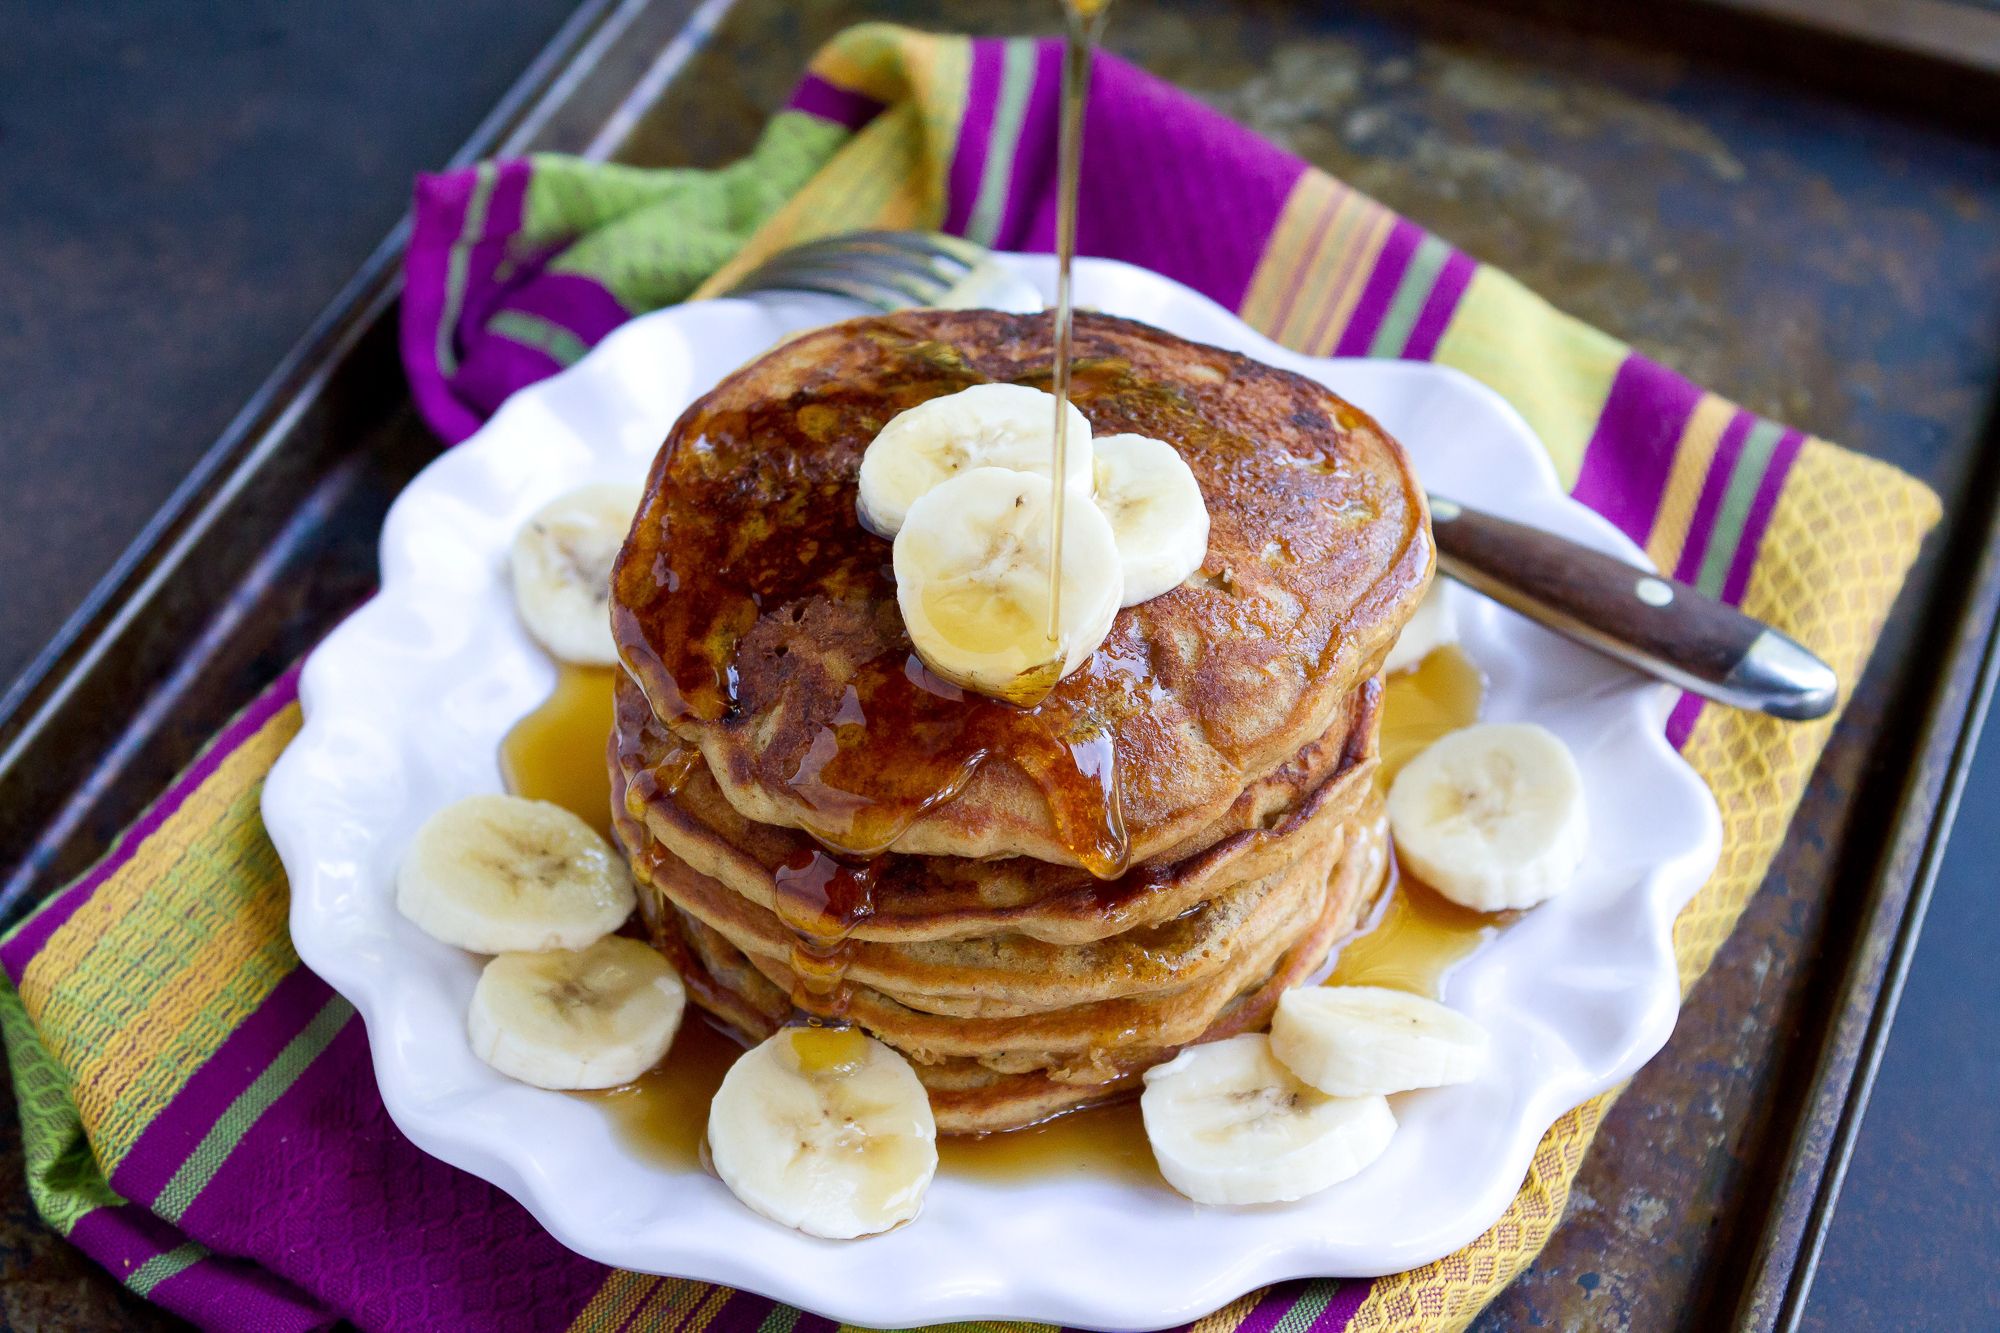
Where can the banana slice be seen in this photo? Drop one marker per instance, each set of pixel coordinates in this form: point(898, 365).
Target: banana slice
point(825, 1130)
point(1356, 1041)
point(1434, 625)
point(1157, 515)
point(1229, 1124)
point(584, 1018)
point(499, 874)
point(562, 570)
point(1492, 817)
point(972, 580)
point(987, 425)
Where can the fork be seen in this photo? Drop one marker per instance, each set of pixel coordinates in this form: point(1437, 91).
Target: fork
point(896, 270)
point(1657, 625)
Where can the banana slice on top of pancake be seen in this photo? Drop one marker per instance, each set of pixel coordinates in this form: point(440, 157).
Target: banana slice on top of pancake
point(1153, 503)
point(577, 1018)
point(501, 874)
point(987, 425)
point(561, 563)
point(972, 580)
point(1230, 1124)
point(825, 1130)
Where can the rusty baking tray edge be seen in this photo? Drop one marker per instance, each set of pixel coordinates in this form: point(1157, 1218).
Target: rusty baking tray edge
point(45, 721)
point(1871, 982)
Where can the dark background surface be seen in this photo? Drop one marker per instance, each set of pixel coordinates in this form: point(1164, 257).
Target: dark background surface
point(182, 187)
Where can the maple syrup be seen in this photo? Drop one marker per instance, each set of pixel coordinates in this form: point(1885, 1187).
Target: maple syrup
point(1108, 1142)
point(1417, 935)
point(662, 1115)
point(1438, 696)
point(822, 897)
point(557, 752)
point(1415, 940)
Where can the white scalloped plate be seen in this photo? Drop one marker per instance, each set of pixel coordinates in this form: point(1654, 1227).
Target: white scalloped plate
point(406, 704)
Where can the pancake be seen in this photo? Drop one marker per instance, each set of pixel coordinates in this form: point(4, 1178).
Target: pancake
point(1001, 975)
point(1338, 881)
point(1006, 1089)
point(760, 619)
point(683, 811)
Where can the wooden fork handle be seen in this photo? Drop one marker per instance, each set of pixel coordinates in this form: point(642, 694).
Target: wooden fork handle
point(1656, 624)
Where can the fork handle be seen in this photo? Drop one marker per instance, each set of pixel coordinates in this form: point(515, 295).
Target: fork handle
point(1660, 626)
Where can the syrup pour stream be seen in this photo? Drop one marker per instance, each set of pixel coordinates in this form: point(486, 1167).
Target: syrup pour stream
point(1084, 29)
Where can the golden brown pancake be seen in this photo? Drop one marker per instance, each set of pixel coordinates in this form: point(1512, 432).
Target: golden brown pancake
point(760, 619)
point(1006, 1088)
point(1008, 975)
point(669, 788)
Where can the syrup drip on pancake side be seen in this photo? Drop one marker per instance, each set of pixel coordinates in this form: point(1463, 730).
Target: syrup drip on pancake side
point(821, 898)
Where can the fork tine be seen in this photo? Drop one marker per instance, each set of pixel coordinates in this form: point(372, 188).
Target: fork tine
point(931, 263)
point(883, 289)
point(927, 243)
point(918, 284)
point(889, 270)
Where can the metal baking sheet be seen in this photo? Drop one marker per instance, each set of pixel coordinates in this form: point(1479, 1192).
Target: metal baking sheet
point(1703, 1202)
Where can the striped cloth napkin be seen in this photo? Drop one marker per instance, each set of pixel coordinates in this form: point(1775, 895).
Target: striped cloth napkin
point(198, 1110)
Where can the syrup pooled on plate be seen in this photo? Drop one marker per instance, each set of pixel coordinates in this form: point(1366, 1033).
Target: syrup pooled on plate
point(1417, 935)
point(1438, 696)
point(663, 1115)
point(1107, 1141)
point(557, 752)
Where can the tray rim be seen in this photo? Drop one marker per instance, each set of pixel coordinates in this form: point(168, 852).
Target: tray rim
point(39, 708)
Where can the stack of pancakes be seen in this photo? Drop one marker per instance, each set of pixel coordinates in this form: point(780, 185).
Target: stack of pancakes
point(1033, 905)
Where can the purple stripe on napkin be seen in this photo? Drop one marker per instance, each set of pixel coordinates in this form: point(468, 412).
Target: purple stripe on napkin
point(325, 1192)
point(227, 1294)
point(1631, 452)
point(495, 367)
point(1714, 486)
point(1031, 182)
point(829, 101)
point(1440, 307)
point(975, 135)
point(1680, 722)
point(1783, 455)
point(246, 1053)
point(581, 305)
point(1404, 237)
point(1161, 154)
